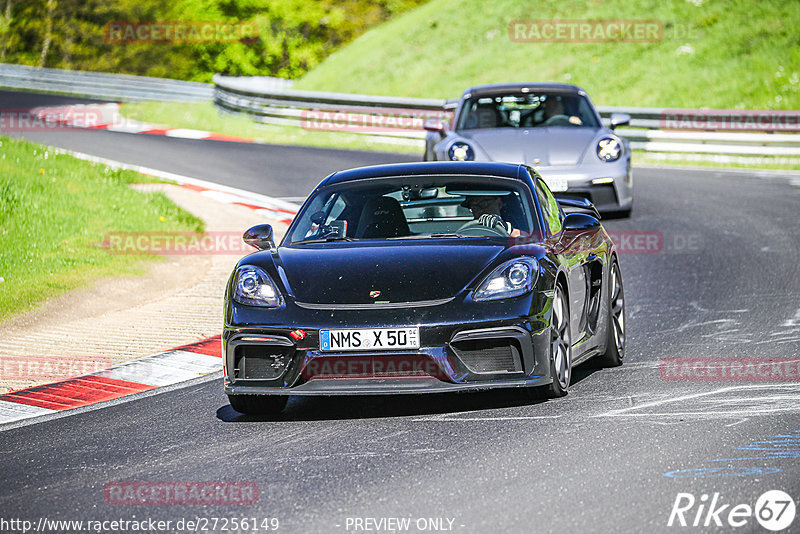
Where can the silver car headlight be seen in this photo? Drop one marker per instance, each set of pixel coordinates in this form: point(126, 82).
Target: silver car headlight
point(609, 149)
point(511, 279)
point(254, 287)
point(460, 151)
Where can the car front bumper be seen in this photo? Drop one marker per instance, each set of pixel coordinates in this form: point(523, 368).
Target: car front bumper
point(609, 186)
point(458, 352)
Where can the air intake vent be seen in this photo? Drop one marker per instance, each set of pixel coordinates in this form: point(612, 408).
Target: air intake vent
point(261, 362)
point(500, 355)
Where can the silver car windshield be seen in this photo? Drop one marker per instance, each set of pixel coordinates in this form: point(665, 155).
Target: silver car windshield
point(527, 110)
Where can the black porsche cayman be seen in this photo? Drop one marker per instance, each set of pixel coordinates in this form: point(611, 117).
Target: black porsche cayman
point(422, 277)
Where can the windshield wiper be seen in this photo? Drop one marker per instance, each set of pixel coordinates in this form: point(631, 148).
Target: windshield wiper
point(449, 235)
point(429, 236)
point(323, 240)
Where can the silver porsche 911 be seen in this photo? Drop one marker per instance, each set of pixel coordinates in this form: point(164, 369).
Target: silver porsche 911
point(554, 128)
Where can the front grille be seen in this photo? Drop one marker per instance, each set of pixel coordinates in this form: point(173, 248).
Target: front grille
point(501, 355)
point(604, 195)
point(261, 362)
point(599, 195)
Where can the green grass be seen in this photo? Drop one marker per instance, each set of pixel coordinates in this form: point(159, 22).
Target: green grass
point(54, 213)
point(736, 54)
point(777, 163)
point(204, 116)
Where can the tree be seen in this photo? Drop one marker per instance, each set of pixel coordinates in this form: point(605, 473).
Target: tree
point(48, 31)
point(5, 30)
point(292, 37)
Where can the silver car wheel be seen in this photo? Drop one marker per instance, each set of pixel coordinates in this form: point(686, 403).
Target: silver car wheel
point(617, 316)
point(561, 342)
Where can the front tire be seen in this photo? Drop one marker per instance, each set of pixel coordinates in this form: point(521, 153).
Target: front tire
point(258, 404)
point(615, 336)
point(560, 349)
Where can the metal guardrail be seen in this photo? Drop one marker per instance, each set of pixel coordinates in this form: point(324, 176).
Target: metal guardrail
point(646, 131)
point(117, 87)
point(271, 100)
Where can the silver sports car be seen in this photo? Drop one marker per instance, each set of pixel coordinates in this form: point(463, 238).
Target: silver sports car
point(554, 128)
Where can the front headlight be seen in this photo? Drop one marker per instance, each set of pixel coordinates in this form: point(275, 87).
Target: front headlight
point(512, 279)
point(254, 287)
point(609, 149)
point(460, 151)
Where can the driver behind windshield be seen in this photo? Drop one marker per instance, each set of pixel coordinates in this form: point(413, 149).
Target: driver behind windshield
point(553, 112)
point(486, 210)
point(552, 107)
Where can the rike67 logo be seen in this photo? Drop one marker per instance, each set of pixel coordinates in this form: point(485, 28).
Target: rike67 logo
point(774, 510)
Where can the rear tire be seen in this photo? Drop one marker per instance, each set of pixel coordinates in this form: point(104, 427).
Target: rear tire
point(258, 404)
point(615, 334)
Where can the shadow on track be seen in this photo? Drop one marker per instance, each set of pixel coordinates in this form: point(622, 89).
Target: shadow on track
point(344, 407)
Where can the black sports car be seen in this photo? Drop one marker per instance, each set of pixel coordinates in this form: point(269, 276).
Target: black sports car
point(422, 277)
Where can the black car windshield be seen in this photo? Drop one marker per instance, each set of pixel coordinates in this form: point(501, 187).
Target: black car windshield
point(527, 110)
point(416, 208)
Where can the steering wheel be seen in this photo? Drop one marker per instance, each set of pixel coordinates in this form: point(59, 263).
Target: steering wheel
point(474, 228)
point(557, 120)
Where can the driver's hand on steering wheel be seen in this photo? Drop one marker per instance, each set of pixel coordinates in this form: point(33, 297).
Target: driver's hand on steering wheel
point(494, 221)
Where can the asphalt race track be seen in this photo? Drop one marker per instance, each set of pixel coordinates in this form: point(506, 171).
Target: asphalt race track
point(722, 280)
point(278, 171)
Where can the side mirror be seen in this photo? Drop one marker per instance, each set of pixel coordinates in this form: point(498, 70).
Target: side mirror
point(580, 222)
point(619, 119)
point(260, 237)
point(573, 205)
point(435, 125)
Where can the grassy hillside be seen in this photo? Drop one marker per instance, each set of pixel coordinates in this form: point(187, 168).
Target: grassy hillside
point(734, 54)
point(54, 213)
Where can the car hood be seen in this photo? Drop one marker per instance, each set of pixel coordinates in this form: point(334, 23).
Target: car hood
point(554, 145)
point(346, 273)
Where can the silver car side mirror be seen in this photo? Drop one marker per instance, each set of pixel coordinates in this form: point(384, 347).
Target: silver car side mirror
point(619, 119)
point(435, 125)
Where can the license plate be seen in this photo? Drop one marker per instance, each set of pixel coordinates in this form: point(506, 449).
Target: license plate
point(369, 339)
point(556, 183)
